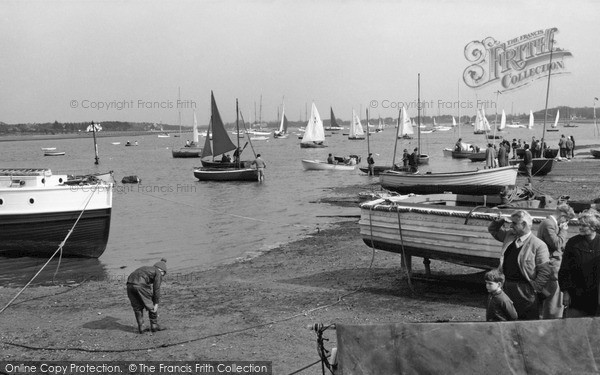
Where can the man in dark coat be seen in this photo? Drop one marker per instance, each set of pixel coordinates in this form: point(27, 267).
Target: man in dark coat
point(143, 290)
point(413, 161)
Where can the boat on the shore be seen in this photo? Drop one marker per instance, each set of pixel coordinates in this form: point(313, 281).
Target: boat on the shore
point(541, 166)
point(447, 227)
point(479, 182)
point(38, 209)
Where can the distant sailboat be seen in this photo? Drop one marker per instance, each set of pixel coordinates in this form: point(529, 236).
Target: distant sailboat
point(453, 121)
point(314, 135)
point(482, 126)
point(530, 124)
point(333, 125)
point(356, 129)
point(282, 132)
point(502, 125)
point(555, 125)
point(192, 150)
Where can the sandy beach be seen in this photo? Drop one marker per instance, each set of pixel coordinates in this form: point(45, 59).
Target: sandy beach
point(259, 309)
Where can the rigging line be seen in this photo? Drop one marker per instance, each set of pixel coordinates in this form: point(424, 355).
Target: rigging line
point(60, 247)
point(225, 213)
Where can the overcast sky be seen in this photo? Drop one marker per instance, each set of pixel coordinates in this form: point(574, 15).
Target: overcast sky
point(58, 59)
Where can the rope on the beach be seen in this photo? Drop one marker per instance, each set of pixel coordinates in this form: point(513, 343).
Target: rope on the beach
point(60, 247)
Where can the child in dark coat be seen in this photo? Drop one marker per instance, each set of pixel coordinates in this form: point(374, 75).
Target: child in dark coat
point(499, 305)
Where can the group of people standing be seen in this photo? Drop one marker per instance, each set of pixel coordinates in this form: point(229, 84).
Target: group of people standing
point(545, 275)
point(566, 147)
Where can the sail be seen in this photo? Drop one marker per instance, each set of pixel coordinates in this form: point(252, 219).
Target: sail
point(314, 131)
point(221, 141)
point(530, 125)
point(207, 150)
point(486, 124)
point(502, 121)
point(333, 122)
point(556, 121)
point(453, 121)
point(283, 123)
point(195, 130)
point(479, 126)
point(356, 130)
point(434, 123)
point(404, 126)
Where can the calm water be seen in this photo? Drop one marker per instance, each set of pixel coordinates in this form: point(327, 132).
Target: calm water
point(195, 224)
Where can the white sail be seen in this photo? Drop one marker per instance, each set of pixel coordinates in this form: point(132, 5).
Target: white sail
point(502, 125)
point(556, 121)
point(281, 129)
point(314, 128)
point(356, 129)
point(405, 126)
point(453, 121)
point(195, 130)
point(530, 125)
point(486, 124)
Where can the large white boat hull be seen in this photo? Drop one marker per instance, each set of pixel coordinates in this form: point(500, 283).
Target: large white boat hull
point(484, 181)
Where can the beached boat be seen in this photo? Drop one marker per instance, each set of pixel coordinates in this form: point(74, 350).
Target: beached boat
point(356, 129)
point(447, 227)
point(220, 145)
point(595, 153)
point(479, 182)
point(319, 165)
point(54, 153)
point(314, 134)
point(541, 166)
point(38, 209)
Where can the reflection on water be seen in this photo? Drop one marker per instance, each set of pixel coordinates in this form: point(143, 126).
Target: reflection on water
point(196, 224)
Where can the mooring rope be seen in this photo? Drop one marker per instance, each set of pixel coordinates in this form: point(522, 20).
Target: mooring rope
point(59, 249)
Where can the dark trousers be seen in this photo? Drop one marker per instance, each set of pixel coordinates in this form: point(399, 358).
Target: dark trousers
point(524, 298)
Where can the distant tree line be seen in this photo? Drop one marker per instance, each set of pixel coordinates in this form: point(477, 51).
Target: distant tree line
point(74, 127)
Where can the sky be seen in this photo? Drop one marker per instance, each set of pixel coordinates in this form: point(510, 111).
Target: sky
point(89, 60)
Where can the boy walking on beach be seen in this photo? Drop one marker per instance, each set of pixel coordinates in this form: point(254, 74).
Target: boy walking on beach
point(499, 307)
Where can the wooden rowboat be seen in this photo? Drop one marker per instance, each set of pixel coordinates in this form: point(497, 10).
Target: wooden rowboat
point(318, 165)
point(481, 181)
point(447, 227)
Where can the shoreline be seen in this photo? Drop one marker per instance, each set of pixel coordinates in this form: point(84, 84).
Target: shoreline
point(259, 308)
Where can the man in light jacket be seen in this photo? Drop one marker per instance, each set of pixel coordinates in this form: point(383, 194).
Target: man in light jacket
point(524, 261)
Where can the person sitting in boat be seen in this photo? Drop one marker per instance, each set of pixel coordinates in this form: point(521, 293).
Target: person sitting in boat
point(330, 159)
point(226, 158)
point(474, 148)
point(458, 145)
point(350, 161)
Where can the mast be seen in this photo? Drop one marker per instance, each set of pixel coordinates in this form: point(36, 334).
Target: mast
point(419, 115)
point(368, 144)
point(179, 100)
point(547, 93)
point(595, 123)
point(396, 141)
point(95, 144)
point(458, 85)
point(237, 129)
